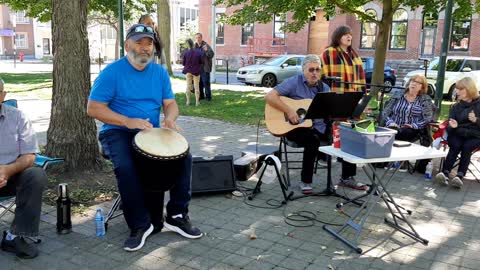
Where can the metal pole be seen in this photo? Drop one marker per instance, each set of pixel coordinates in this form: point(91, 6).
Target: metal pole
point(443, 57)
point(227, 70)
point(99, 63)
point(120, 26)
point(13, 19)
point(214, 43)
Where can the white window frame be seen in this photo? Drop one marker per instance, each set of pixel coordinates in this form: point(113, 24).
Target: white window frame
point(24, 44)
point(20, 17)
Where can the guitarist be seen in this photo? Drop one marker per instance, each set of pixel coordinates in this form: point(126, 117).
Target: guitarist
point(303, 86)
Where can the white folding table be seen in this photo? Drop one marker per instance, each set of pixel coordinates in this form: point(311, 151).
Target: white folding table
point(379, 187)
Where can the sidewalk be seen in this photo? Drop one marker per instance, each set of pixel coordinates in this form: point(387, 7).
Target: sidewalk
point(241, 236)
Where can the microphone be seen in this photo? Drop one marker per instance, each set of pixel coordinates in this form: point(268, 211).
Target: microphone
point(331, 78)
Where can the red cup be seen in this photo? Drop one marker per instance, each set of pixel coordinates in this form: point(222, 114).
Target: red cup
point(336, 136)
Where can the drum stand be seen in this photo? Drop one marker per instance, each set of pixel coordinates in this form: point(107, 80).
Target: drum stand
point(281, 180)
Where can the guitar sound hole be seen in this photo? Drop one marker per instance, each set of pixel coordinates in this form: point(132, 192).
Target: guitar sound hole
point(301, 113)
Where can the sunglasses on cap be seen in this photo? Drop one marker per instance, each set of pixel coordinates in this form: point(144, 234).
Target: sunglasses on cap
point(141, 29)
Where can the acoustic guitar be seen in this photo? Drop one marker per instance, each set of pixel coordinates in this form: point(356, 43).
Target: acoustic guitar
point(277, 121)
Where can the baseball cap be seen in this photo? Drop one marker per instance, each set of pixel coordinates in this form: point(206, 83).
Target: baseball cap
point(139, 31)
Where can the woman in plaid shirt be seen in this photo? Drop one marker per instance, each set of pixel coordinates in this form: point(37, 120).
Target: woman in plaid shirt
point(342, 61)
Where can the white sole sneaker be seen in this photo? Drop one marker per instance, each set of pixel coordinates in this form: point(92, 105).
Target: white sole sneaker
point(144, 237)
point(176, 229)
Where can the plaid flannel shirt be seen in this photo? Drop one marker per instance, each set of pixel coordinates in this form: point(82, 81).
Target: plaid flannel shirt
point(346, 65)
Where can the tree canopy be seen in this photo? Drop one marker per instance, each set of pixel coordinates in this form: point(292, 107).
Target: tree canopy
point(262, 11)
point(42, 9)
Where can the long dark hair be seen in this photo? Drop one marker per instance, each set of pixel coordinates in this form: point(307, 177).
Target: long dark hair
point(190, 43)
point(158, 41)
point(338, 34)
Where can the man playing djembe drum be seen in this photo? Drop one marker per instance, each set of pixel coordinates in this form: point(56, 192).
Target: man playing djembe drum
point(127, 97)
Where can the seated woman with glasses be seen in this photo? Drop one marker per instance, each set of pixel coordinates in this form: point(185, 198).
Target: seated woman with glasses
point(463, 132)
point(410, 112)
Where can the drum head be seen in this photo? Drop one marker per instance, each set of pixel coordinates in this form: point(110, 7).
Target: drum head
point(161, 143)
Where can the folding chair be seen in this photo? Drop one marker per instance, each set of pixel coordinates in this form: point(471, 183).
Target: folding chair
point(284, 151)
point(440, 134)
point(7, 202)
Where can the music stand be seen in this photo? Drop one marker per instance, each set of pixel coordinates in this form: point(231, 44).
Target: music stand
point(336, 106)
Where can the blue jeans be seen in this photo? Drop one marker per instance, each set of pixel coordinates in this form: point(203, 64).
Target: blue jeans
point(140, 207)
point(206, 84)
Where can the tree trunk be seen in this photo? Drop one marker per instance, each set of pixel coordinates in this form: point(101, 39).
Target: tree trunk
point(382, 45)
point(163, 14)
point(71, 134)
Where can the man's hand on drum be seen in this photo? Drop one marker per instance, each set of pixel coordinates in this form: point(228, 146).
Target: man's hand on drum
point(137, 123)
point(168, 123)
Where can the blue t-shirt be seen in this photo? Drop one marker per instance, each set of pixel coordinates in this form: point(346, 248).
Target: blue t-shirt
point(296, 87)
point(133, 93)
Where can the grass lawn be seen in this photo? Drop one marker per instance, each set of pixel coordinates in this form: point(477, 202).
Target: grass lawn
point(230, 106)
point(38, 85)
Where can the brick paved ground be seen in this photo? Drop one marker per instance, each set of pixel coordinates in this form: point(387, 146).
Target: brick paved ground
point(448, 218)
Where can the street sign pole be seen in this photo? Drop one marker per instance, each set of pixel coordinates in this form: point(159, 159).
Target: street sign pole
point(443, 57)
point(120, 26)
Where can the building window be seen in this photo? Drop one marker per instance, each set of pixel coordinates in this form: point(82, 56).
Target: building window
point(278, 23)
point(398, 34)
point(182, 18)
point(21, 41)
point(220, 37)
point(20, 17)
point(460, 34)
point(46, 46)
point(247, 31)
point(369, 32)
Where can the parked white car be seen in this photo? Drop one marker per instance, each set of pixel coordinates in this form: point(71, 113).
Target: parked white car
point(457, 67)
point(271, 72)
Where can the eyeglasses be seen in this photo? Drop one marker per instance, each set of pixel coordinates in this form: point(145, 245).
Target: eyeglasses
point(141, 29)
point(311, 70)
point(462, 88)
point(417, 82)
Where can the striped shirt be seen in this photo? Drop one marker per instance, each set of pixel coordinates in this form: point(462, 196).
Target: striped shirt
point(17, 136)
point(348, 66)
point(400, 111)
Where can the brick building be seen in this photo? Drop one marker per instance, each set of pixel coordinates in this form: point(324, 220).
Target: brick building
point(413, 36)
point(21, 29)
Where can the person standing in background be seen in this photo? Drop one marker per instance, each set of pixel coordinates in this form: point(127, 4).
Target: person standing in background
point(192, 63)
point(147, 20)
point(207, 57)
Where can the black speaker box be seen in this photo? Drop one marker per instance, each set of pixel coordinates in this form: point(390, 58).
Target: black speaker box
point(213, 174)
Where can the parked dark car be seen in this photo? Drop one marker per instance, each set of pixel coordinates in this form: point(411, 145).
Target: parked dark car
point(389, 78)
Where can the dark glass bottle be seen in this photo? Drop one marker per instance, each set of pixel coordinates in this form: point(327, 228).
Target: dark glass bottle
point(64, 220)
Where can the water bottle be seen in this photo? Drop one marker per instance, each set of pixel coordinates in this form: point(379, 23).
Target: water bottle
point(64, 220)
point(99, 223)
point(428, 171)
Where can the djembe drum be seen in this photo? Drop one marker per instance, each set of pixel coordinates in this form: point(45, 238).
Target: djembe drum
point(160, 156)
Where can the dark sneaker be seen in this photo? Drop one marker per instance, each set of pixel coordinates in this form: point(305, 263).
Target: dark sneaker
point(157, 229)
point(19, 246)
point(352, 183)
point(456, 182)
point(136, 240)
point(182, 226)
